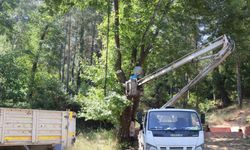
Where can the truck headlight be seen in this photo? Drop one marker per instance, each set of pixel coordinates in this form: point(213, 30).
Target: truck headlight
point(150, 147)
point(199, 147)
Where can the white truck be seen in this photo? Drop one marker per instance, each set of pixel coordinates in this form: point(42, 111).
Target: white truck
point(178, 129)
point(33, 129)
point(171, 129)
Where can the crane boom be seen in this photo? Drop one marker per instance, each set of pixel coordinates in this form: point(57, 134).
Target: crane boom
point(223, 42)
point(180, 62)
point(222, 55)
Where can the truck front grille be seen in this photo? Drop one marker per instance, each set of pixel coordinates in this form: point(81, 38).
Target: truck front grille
point(176, 148)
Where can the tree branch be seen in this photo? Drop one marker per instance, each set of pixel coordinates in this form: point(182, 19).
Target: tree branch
point(118, 62)
point(145, 49)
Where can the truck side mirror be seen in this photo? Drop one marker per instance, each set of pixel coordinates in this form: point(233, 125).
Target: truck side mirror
point(203, 116)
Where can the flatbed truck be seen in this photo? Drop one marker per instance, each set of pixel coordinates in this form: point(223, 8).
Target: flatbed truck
point(34, 129)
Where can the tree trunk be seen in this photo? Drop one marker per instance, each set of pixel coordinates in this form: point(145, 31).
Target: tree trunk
point(64, 53)
point(73, 69)
point(32, 78)
point(93, 40)
point(74, 61)
point(197, 99)
point(82, 32)
point(224, 96)
point(220, 87)
point(136, 101)
point(107, 52)
point(186, 95)
point(61, 60)
point(78, 78)
point(125, 118)
point(239, 91)
point(81, 49)
point(35, 63)
point(63, 64)
point(118, 63)
point(68, 54)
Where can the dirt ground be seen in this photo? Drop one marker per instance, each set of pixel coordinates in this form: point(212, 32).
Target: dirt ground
point(227, 144)
point(222, 144)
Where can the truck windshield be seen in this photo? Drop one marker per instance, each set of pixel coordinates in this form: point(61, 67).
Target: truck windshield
point(173, 120)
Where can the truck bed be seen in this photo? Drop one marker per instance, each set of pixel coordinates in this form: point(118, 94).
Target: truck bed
point(36, 127)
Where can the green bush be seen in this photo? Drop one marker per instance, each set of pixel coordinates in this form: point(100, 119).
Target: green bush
point(95, 106)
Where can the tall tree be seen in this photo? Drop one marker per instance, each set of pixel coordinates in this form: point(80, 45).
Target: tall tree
point(68, 52)
point(35, 62)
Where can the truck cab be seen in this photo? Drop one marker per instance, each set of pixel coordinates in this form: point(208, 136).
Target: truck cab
point(171, 129)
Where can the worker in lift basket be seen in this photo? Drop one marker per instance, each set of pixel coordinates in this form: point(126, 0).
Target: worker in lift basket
point(137, 73)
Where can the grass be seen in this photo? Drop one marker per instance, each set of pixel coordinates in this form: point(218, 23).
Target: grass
point(96, 140)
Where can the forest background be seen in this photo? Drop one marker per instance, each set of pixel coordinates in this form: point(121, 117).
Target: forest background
point(76, 54)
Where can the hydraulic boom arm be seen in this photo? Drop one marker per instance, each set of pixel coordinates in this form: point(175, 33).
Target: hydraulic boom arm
point(226, 47)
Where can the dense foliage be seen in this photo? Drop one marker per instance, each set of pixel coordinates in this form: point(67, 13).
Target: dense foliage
point(54, 54)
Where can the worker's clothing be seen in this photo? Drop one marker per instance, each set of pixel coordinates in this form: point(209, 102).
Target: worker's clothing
point(134, 77)
point(132, 129)
point(132, 132)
